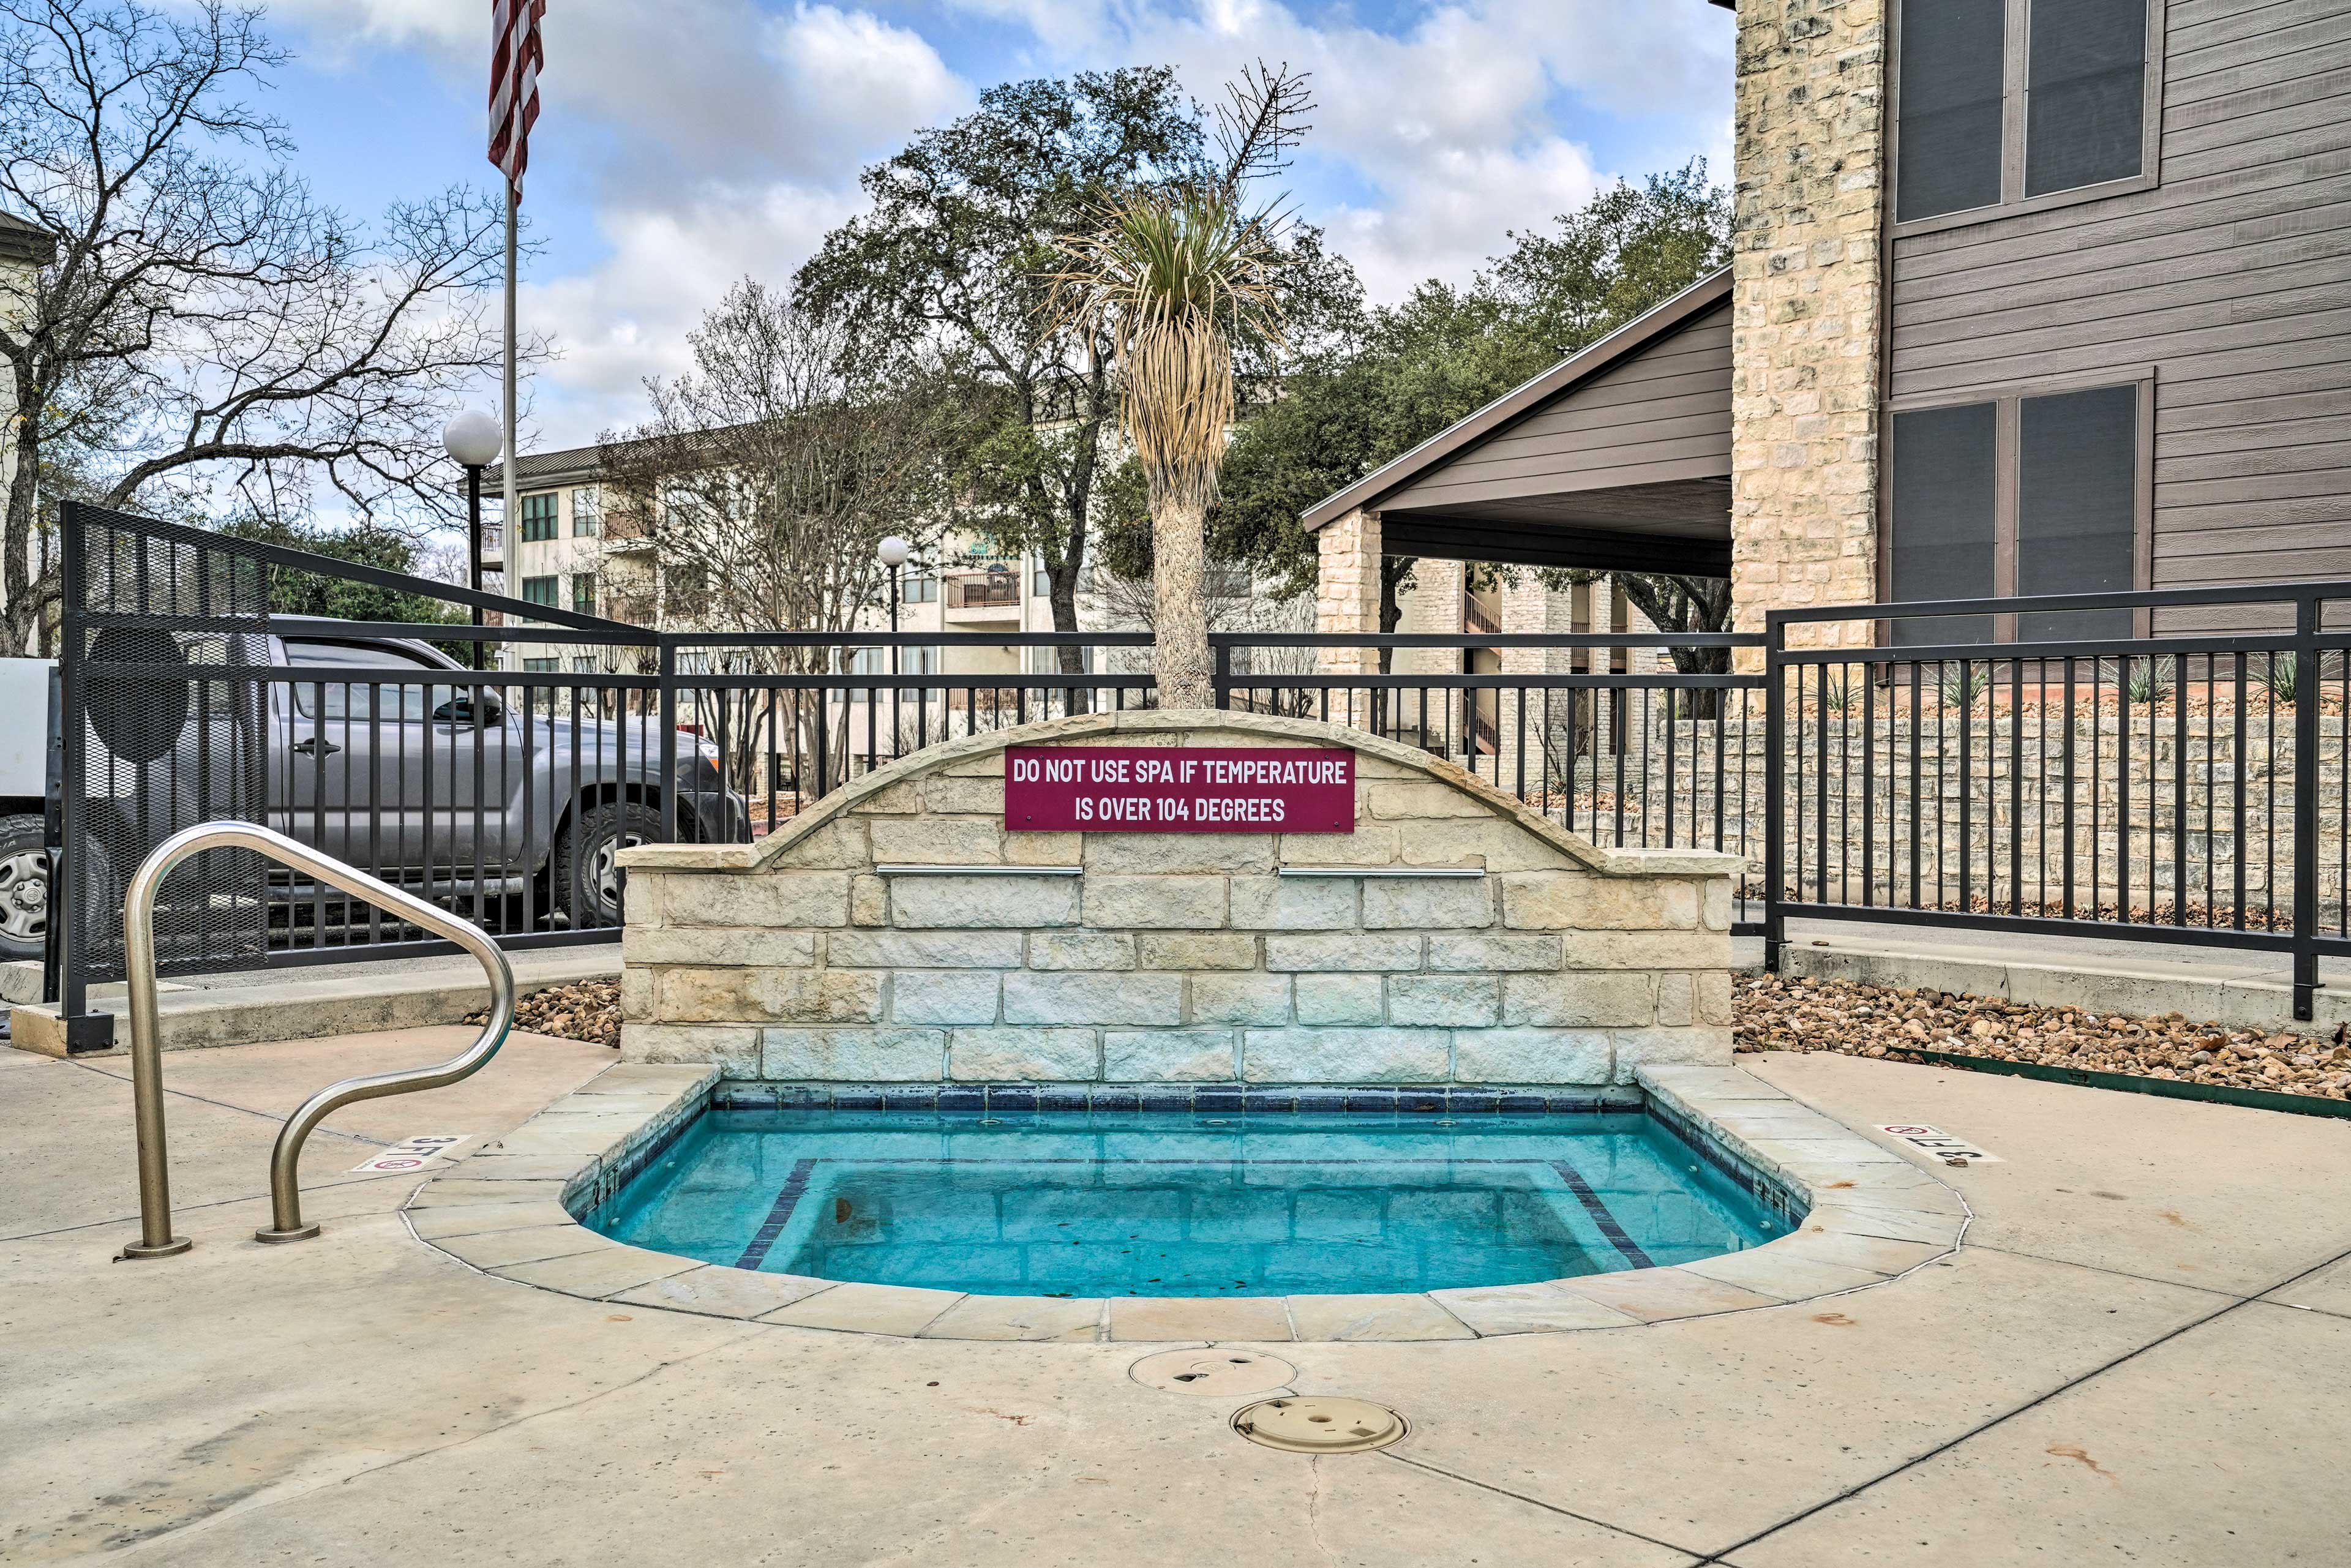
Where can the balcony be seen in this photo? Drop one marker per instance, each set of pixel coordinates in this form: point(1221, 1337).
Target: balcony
point(980, 592)
point(494, 548)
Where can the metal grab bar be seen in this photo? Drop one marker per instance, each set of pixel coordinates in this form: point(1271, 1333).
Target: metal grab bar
point(155, 1237)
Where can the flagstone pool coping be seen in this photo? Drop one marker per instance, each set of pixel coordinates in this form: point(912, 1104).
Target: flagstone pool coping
point(1869, 1215)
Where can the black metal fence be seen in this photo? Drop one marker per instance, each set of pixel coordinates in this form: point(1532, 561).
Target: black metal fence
point(1600, 732)
point(2183, 787)
point(2163, 785)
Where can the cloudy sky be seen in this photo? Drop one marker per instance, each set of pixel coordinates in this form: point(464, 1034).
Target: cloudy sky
point(684, 143)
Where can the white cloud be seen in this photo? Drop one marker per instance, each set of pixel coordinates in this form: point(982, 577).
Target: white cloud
point(871, 82)
point(730, 132)
point(1447, 125)
point(628, 318)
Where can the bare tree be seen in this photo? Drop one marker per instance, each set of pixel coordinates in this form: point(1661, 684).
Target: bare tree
point(768, 475)
point(208, 325)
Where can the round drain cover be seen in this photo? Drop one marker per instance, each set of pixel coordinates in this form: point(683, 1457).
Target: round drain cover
point(1316, 1424)
point(1223, 1371)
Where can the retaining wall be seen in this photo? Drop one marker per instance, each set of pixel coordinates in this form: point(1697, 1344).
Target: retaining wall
point(1175, 957)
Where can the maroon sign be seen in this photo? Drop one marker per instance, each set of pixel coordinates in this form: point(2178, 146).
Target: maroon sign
point(1179, 789)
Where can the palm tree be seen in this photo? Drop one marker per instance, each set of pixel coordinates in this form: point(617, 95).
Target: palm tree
point(1175, 275)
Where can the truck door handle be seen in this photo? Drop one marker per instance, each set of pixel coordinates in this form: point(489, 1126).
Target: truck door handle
point(314, 747)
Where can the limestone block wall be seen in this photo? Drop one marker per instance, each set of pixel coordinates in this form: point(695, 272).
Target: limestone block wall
point(1806, 302)
point(1347, 589)
point(1173, 958)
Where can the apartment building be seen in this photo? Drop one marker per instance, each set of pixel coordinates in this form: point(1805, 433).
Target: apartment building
point(559, 551)
point(2026, 297)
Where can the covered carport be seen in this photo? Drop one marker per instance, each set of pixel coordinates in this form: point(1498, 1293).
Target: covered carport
point(1616, 459)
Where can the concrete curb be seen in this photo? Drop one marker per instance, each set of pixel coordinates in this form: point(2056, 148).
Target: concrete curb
point(312, 1003)
point(2134, 993)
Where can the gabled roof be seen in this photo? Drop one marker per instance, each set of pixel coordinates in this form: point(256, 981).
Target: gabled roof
point(1513, 406)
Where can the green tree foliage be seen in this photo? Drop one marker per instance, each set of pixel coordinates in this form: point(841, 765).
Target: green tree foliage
point(1399, 374)
point(953, 260)
point(293, 591)
point(954, 257)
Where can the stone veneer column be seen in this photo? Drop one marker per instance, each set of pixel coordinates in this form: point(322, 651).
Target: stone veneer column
point(1807, 292)
point(1347, 596)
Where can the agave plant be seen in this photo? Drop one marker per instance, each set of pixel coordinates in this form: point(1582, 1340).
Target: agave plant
point(2283, 678)
point(1175, 276)
point(2147, 683)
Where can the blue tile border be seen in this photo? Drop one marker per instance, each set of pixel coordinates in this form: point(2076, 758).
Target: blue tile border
point(1220, 1099)
point(1759, 1184)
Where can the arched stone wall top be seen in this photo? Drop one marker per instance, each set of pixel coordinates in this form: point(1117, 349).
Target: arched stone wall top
point(1379, 761)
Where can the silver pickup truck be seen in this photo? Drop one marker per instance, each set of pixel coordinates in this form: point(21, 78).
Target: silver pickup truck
point(403, 762)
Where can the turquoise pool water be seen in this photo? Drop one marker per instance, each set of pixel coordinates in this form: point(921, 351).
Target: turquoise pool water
point(1080, 1203)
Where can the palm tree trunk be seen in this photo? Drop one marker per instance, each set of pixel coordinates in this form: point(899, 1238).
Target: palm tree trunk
point(1179, 591)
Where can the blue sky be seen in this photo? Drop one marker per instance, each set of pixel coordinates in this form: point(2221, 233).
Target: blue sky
point(684, 143)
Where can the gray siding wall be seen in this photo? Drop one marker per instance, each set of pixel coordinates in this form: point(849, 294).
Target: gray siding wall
point(2231, 279)
point(1663, 414)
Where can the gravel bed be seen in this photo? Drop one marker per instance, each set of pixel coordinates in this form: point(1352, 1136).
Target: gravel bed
point(1773, 1013)
point(589, 1012)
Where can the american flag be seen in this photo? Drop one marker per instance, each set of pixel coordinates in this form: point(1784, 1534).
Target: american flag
point(515, 60)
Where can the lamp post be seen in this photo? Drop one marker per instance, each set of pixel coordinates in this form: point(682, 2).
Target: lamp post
point(893, 553)
point(473, 438)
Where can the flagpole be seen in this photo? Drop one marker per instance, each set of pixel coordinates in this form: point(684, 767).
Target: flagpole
point(511, 512)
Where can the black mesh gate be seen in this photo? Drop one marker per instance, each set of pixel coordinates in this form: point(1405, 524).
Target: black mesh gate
point(177, 705)
point(164, 634)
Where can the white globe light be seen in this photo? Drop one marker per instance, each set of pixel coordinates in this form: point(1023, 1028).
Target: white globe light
point(473, 438)
point(894, 551)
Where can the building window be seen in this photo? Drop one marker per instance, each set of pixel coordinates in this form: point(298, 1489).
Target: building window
point(584, 664)
point(1048, 661)
point(2023, 492)
point(542, 666)
point(918, 585)
point(1945, 487)
point(2077, 507)
point(587, 515)
point(2085, 93)
point(2003, 101)
point(1953, 90)
point(876, 662)
point(1043, 588)
point(583, 593)
point(540, 589)
point(538, 517)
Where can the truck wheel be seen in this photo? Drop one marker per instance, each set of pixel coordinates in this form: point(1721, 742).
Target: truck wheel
point(23, 887)
point(587, 878)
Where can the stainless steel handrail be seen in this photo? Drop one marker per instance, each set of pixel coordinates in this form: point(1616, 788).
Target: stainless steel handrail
point(155, 1237)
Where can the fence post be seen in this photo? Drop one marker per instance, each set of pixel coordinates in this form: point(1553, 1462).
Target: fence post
point(1223, 679)
point(70, 911)
point(1775, 917)
point(2306, 806)
point(668, 708)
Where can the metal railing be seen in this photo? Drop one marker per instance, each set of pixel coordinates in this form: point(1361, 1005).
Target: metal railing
point(2158, 783)
point(1602, 732)
point(155, 1237)
point(982, 591)
point(2167, 785)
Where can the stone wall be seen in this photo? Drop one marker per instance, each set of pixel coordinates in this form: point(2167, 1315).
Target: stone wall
point(1347, 589)
point(1175, 958)
point(1806, 301)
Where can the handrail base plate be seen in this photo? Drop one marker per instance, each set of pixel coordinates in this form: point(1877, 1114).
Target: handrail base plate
point(300, 1233)
point(134, 1250)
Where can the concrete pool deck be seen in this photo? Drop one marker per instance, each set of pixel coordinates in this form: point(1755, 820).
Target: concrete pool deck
point(2142, 1353)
